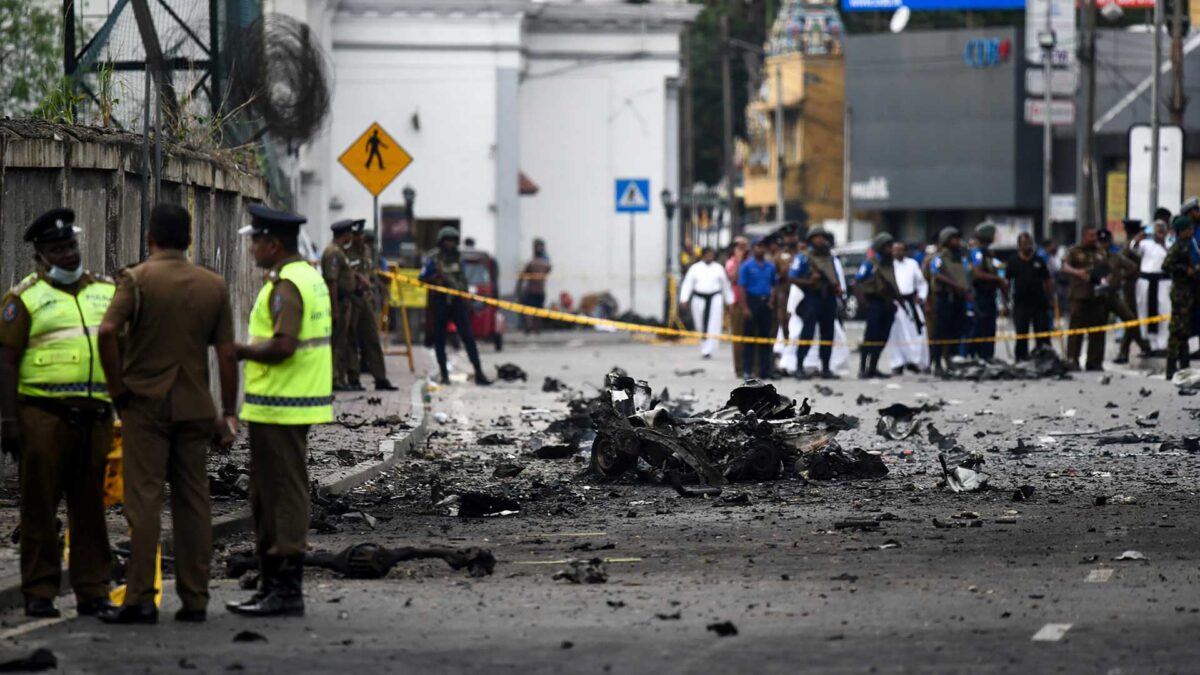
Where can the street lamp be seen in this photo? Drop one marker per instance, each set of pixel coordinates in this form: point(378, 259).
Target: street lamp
point(668, 203)
point(410, 196)
point(1046, 40)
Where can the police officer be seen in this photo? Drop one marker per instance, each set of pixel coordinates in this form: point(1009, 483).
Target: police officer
point(819, 275)
point(364, 345)
point(1087, 267)
point(341, 283)
point(877, 280)
point(171, 311)
point(56, 415)
point(1179, 266)
point(950, 277)
point(443, 267)
point(985, 281)
point(288, 380)
point(1191, 208)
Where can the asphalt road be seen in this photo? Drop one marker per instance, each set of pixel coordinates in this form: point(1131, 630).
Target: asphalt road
point(1032, 589)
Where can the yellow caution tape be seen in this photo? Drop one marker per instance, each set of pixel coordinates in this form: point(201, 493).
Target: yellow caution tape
point(744, 339)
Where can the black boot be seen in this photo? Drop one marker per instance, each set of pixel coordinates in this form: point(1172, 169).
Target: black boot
point(1170, 368)
point(268, 568)
point(41, 608)
point(145, 613)
point(862, 364)
point(481, 379)
point(826, 372)
point(286, 595)
point(873, 371)
point(938, 369)
point(384, 384)
point(444, 377)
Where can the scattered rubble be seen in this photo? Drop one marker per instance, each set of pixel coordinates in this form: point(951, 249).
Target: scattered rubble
point(372, 561)
point(584, 572)
point(41, 659)
point(1042, 363)
point(511, 372)
point(723, 628)
point(963, 478)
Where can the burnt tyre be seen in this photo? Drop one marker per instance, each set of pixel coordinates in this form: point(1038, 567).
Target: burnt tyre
point(607, 460)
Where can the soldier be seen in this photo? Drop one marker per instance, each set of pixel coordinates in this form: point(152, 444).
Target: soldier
point(56, 416)
point(950, 277)
point(1179, 266)
point(1131, 261)
point(1191, 208)
point(985, 280)
point(339, 278)
point(443, 267)
point(174, 311)
point(877, 280)
point(364, 322)
point(1121, 268)
point(289, 379)
point(819, 274)
point(1087, 267)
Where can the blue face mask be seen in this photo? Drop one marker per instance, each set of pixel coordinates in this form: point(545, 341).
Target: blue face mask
point(65, 277)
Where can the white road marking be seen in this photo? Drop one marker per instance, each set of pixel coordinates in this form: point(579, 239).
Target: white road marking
point(1052, 632)
point(1099, 576)
point(30, 627)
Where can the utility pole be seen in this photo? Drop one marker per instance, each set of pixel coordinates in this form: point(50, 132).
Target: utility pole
point(779, 169)
point(1178, 99)
point(727, 120)
point(847, 166)
point(1155, 123)
point(1084, 137)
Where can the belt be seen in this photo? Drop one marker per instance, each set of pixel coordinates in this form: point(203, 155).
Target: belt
point(70, 413)
point(1152, 276)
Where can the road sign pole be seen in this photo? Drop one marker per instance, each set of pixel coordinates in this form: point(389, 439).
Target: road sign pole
point(375, 218)
point(632, 290)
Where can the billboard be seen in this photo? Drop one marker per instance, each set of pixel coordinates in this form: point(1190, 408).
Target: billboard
point(929, 5)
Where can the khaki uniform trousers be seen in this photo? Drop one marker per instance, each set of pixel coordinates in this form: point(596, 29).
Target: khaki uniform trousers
point(58, 460)
point(279, 498)
point(158, 450)
point(364, 342)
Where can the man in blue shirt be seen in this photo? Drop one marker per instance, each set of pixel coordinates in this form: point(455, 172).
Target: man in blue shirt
point(986, 280)
point(757, 278)
point(1191, 208)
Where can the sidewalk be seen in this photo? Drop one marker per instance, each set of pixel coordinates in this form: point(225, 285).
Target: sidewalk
point(371, 430)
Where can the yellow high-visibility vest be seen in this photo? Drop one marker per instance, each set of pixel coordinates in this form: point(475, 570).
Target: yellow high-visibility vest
point(61, 359)
point(298, 390)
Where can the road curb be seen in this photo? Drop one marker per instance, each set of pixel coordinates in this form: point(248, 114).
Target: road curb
point(393, 449)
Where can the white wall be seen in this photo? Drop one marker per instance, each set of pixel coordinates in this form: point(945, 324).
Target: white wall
point(443, 69)
point(584, 123)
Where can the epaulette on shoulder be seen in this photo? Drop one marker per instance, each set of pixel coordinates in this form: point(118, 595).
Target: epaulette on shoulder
point(103, 278)
point(24, 285)
point(273, 276)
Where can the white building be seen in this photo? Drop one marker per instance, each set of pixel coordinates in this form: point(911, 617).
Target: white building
point(572, 93)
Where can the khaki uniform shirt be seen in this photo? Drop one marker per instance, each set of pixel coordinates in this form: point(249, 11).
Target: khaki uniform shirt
point(1084, 259)
point(336, 268)
point(287, 307)
point(174, 311)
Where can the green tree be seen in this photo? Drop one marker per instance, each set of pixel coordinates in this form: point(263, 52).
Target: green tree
point(30, 54)
point(748, 21)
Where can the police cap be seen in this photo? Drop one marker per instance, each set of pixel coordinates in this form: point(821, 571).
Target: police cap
point(53, 225)
point(342, 226)
point(359, 225)
point(1191, 203)
point(265, 220)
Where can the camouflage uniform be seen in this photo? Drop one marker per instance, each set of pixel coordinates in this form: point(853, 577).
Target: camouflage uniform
point(1178, 266)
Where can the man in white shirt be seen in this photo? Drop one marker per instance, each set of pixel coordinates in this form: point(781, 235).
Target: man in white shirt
point(907, 342)
point(1153, 287)
point(706, 281)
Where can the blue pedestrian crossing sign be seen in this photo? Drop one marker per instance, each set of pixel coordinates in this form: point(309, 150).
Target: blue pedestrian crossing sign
point(633, 195)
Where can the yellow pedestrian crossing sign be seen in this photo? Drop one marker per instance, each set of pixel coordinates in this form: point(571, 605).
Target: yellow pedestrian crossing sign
point(375, 159)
